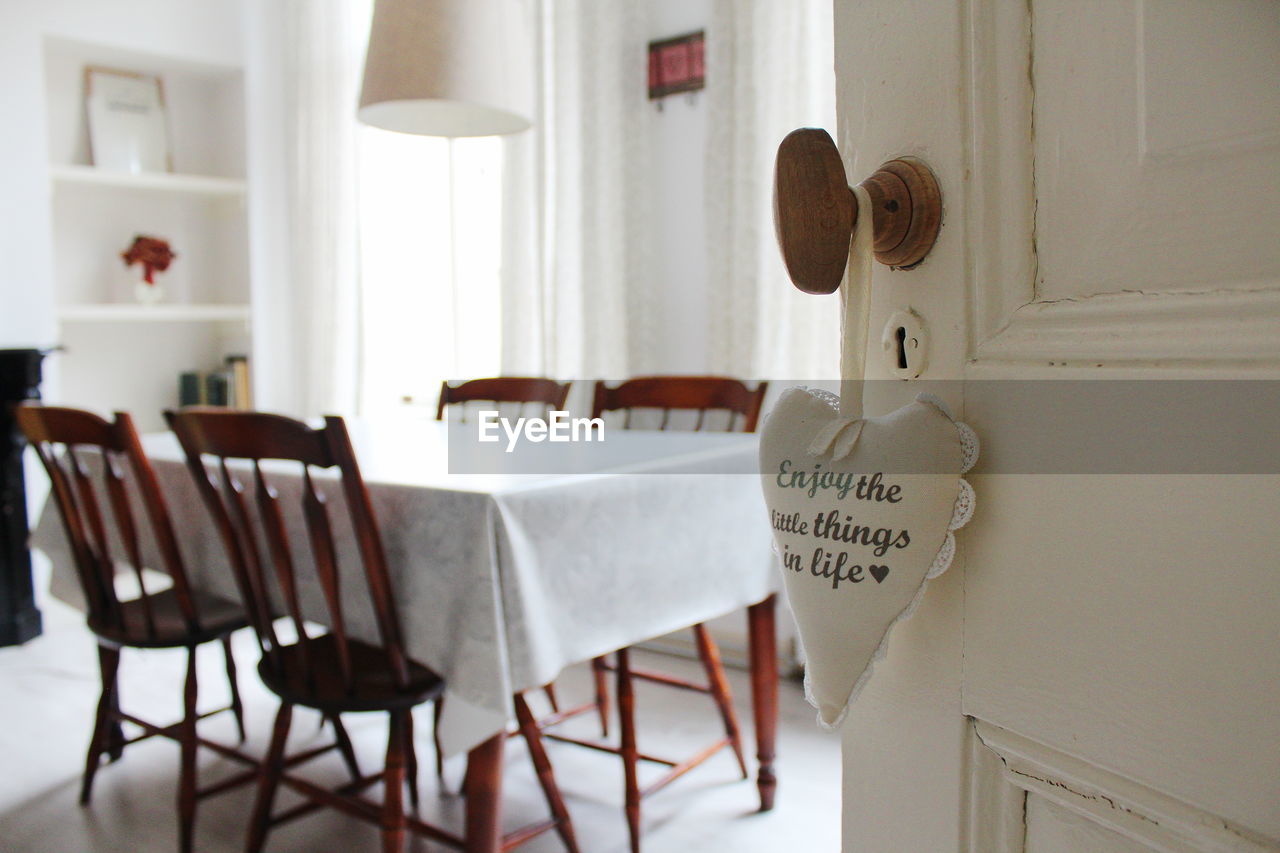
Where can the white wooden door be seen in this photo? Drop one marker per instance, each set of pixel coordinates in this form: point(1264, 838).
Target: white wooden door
point(1100, 671)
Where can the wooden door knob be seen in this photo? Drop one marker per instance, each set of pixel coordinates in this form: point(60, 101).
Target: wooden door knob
point(814, 211)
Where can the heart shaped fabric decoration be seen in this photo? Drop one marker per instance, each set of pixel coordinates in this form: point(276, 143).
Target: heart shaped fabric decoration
point(862, 513)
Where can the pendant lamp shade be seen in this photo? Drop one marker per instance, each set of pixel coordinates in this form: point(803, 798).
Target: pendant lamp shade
point(449, 67)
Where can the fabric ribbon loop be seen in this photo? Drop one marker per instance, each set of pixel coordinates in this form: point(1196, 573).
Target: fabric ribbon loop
point(855, 294)
point(838, 437)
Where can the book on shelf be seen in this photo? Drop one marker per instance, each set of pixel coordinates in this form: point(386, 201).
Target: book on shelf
point(190, 388)
point(241, 391)
point(217, 388)
point(227, 386)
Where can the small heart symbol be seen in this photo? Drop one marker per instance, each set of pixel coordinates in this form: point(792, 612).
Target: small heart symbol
point(879, 572)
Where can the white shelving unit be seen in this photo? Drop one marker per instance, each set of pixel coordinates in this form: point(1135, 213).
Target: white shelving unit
point(102, 313)
point(159, 182)
point(119, 353)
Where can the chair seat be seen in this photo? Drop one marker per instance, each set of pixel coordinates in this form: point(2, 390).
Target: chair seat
point(167, 628)
point(373, 684)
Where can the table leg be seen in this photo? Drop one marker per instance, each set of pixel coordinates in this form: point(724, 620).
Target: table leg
point(484, 796)
point(764, 692)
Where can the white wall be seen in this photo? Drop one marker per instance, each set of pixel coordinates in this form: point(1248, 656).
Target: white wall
point(208, 30)
point(677, 151)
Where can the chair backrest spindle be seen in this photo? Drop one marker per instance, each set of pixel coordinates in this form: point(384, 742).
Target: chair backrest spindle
point(123, 516)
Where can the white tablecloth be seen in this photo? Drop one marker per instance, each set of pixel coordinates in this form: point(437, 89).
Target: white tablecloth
point(502, 580)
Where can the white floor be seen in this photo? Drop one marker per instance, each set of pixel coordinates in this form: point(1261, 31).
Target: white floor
point(48, 689)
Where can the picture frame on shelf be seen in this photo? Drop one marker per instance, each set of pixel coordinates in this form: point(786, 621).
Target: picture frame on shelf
point(128, 124)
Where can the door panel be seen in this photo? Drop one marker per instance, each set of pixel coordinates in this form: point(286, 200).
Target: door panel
point(1124, 159)
point(1022, 793)
point(1131, 622)
point(1053, 829)
point(1157, 128)
point(1123, 619)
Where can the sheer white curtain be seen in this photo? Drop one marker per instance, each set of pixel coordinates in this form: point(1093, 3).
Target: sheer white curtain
point(386, 275)
point(314, 333)
point(575, 298)
point(777, 67)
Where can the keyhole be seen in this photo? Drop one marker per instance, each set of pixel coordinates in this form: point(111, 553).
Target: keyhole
point(901, 336)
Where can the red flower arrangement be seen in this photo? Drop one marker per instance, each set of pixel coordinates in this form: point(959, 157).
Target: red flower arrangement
point(153, 253)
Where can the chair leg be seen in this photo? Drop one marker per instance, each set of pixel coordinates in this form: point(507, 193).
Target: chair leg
point(546, 775)
point(629, 752)
point(115, 737)
point(602, 693)
point(393, 821)
point(436, 713)
point(269, 779)
point(237, 707)
point(550, 691)
point(104, 721)
point(710, 655)
point(344, 746)
point(187, 773)
point(410, 760)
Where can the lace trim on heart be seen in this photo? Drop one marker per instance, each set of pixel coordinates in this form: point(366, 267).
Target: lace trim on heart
point(832, 400)
point(969, 446)
point(937, 402)
point(962, 512)
point(946, 554)
point(965, 502)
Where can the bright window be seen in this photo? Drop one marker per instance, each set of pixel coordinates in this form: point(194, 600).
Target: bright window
point(430, 238)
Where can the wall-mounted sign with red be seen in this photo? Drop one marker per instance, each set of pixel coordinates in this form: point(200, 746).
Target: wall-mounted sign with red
point(677, 65)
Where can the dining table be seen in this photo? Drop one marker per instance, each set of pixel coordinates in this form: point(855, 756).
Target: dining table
point(512, 561)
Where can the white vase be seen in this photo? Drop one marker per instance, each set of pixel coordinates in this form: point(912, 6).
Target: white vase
point(148, 294)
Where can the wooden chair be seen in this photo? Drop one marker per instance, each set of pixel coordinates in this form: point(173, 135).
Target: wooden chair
point(175, 618)
point(551, 395)
point(700, 394)
point(667, 394)
point(332, 672)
